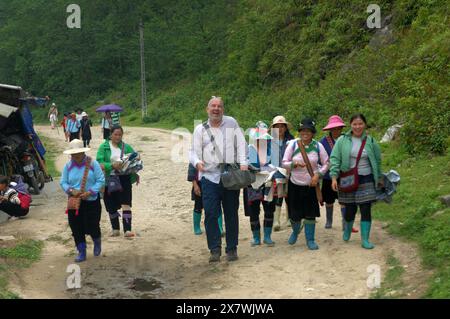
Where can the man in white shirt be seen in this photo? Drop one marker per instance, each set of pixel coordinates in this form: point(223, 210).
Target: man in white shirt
point(208, 154)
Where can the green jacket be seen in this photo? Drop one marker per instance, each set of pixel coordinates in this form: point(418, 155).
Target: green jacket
point(340, 156)
point(104, 157)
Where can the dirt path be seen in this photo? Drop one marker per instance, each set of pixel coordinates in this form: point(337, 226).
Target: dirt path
point(167, 260)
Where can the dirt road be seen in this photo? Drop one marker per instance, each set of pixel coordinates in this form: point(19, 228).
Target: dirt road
point(167, 260)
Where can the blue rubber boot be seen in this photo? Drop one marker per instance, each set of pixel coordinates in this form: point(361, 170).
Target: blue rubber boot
point(197, 217)
point(296, 228)
point(256, 238)
point(81, 253)
point(347, 230)
point(310, 230)
point(267, 240)
point(220, 221)
point(365, 233)
point(97, 246)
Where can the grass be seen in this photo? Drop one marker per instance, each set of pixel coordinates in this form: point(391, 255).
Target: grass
point(392, 283)
point(19, 255)
point(417, 213)
point(50, 156)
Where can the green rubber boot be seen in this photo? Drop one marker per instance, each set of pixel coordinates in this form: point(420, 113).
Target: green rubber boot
point(347, 230)
point(365, 233)
point(197, 217)
point(267, 237)
point(256, 238)
point(296, 229)
point(310, 230)
point(220, 221)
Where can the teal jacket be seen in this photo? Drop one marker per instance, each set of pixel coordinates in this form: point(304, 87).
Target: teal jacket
point(104, 157)
point(340, 156)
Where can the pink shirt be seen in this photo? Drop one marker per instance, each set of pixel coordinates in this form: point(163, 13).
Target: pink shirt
point(300, 175)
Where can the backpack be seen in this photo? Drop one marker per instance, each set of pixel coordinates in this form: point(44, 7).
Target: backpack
point(25, 200)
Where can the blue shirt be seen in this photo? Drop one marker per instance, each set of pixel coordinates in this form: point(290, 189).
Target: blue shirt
point(72, 176)
point(73, 126)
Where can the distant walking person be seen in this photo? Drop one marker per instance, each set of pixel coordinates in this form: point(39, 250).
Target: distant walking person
point(53, 115)
point(86, 134)
point(106, 125)
point(73, 127)
point(64, 126)
point(334, 127)
point(115, 118)
point(82, 179)
point(359, 151)
point(281, 136)
point(220, 134)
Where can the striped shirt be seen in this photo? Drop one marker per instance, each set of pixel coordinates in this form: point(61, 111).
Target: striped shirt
point(73, 126)
point(11, 196)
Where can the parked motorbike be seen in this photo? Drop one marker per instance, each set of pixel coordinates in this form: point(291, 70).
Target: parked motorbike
point(20, 158)
point(32, 174)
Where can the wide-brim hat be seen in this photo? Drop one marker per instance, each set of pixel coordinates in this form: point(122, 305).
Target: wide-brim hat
point(75, 147)
point(84, 114)
point(279, 119)
point(333, 122)
point(308, 124)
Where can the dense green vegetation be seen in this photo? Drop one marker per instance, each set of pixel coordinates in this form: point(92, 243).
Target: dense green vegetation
point(264, 57)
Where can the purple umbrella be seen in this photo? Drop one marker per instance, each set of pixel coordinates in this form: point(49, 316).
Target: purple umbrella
point(109, 108)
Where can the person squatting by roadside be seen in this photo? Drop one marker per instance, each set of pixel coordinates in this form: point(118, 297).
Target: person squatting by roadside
point(260, 160)
point(219, 137)
point(357, 149)
point(196, 196)
point(118, 190)
point(302, 195)
point(82, 180)
point(14, 198)
point(334, 127)
point(281, 136)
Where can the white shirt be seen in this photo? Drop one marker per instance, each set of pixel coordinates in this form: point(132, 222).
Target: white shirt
point(115, 152)
point(203, 149)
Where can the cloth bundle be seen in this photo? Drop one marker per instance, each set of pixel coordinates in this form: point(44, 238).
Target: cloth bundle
point(131, 164)
point(391, 181)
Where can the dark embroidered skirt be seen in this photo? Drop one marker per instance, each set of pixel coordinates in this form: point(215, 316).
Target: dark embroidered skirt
point(302, 202)
point(365, 193)
point(329, 195)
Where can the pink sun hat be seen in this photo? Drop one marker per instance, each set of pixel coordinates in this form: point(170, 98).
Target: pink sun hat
point(334, 121)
